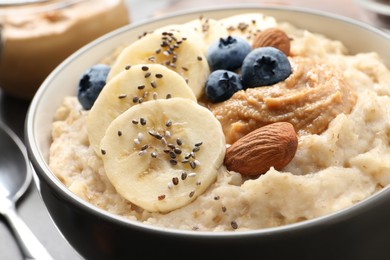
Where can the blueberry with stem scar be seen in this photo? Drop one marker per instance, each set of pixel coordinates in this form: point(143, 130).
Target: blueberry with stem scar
point(265, 66)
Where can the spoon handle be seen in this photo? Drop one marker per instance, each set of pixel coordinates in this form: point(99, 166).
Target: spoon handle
point(20, 2)
point(30, 245)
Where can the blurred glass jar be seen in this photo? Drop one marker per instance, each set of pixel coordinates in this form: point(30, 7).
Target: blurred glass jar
point(35, 38)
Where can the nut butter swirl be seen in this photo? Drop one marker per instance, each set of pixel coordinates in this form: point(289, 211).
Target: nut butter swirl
point(313, 95)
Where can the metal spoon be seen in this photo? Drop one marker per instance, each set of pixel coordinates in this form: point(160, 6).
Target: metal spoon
point(15, 177)
point(20, 2)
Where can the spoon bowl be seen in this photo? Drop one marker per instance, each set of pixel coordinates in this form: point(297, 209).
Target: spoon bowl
point(15, 177)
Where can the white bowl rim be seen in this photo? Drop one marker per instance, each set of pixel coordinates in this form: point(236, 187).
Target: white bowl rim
point(38, 160)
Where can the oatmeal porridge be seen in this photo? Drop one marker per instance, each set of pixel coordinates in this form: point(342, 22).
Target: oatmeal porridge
point(153, 146)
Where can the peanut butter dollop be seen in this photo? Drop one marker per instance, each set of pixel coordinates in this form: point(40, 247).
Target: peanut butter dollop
point(313, 95)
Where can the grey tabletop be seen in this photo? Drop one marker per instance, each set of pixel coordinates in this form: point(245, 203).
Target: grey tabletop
point(30, 207)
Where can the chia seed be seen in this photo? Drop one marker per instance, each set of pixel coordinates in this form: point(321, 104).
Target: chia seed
point(234, 224)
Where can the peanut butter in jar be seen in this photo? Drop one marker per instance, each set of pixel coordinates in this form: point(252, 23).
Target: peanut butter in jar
point(35, 38)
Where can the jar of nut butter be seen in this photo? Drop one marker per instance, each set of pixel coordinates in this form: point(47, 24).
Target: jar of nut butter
point(36, 37)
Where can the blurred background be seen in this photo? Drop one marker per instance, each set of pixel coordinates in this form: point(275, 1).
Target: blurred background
point(18, 84)
point(157, 7)
point(364, 10)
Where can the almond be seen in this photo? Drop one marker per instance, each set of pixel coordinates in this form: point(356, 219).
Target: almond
point(272, 37)
point(273, 145)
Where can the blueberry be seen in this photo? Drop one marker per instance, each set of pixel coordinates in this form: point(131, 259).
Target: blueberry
point(221, 85)
point(227, 53)
point(264, 66)
point(91, 83)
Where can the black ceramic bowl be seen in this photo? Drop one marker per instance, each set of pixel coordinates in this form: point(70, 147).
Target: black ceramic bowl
point(358, 232)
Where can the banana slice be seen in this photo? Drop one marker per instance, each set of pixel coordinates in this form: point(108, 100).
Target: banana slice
point(175, 50)
point(247, 25)
point(202, 30)
point(162, 154)
point(184, 31)
point(208, 29)
point(130, 87)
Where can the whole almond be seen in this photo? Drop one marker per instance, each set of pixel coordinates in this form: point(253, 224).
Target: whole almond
point(273, 145)
point(273, 37)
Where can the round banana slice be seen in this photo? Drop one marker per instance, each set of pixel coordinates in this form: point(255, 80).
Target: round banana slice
point(247, 25)
point(184, 31)
point(208, 29)
point(173, 49)
point(132, 86)
point(202, 30)
point(162, 154)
